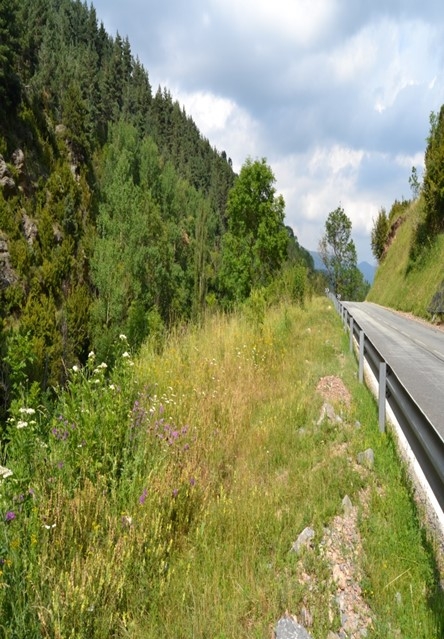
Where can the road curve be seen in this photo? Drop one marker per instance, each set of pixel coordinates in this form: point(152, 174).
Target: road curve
point(414, 351)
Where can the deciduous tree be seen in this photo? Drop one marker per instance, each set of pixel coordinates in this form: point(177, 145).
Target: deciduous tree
point(255, 245)
point(338, 252)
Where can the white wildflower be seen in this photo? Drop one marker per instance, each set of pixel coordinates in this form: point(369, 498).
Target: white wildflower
point(5, 472)
point(123, 337)
point(126, 354)
point(21, 424)
point(27, 411)
point(75, 368)
point(112, 387)
point(91, 355)
point(49, 527)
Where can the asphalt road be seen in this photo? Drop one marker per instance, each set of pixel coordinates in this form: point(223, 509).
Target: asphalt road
point(414, 351)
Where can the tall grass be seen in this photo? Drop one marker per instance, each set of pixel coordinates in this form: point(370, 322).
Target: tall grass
point(163, 499)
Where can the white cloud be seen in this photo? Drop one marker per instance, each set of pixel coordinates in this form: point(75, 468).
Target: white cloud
point(336, 94)
point(303, 22)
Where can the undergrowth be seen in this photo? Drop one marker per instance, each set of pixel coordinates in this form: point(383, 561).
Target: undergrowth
point(163, 498)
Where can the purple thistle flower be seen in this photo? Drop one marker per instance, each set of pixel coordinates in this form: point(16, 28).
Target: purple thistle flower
point(143, 496)
point(10, 515)
point(192, 481)
point(175, 492)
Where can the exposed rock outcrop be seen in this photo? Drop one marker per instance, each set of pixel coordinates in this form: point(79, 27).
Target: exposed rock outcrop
point(7, 273)
point(6, 180)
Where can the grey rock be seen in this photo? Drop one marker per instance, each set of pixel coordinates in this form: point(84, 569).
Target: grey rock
point(367, 458)
point(18, 159)
point(29, 229)
point(328, 412)
point(288, 628)
point(7, 273)
point(304, 539)
point(6, 181)
point(357, 424)
point(347, 505)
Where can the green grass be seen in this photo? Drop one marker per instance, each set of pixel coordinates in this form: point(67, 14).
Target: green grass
point(410, 275)
point(163, 499)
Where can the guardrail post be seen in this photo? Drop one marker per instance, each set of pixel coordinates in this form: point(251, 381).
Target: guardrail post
point(382, 393)
point(351, 334)
point(361, 356)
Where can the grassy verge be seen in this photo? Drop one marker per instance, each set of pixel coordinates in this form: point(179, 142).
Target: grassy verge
point(164, 500)
point(410, 275)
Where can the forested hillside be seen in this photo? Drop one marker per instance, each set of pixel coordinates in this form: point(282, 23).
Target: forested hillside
point(113, 206)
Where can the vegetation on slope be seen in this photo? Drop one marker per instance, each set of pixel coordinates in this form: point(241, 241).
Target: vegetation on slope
point(411, 271)
point(113, 206)
point(163, 498)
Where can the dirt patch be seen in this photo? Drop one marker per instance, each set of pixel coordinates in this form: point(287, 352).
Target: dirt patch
point(333, 390)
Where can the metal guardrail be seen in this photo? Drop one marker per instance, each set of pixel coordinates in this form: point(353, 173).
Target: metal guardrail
point(425, 443)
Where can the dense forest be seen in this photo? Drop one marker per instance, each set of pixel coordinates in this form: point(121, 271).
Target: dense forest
point(116, 214)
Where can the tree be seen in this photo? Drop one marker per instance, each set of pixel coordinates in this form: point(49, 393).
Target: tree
point(338, 252)
point(255, 245)
point(9, 82)
point(379, 234)
point(433, 187)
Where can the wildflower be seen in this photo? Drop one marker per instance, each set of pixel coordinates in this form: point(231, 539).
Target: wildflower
point(27, 411)
point(21, 424)
point(125, 354)
point(49, 527)
point(112, 387)
point(123, 337)
point(91, 355)
point(143, 496)
point(5, 472)
point(175, 492)
point(10, 515)
point(75, 368)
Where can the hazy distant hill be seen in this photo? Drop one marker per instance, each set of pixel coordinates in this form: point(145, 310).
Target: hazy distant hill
point(368, 270)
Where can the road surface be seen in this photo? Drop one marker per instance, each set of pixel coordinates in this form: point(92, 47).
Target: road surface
point(414, 351)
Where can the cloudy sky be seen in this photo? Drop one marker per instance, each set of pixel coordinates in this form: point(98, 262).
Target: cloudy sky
point(335, 94)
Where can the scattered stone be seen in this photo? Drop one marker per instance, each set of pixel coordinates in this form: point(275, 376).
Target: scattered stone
point(288, 628)
point(357, 424)
point(304, 539)
point(6, 180)
point(29, 229)
point(367, 458)
point(328, 412)
point(306, 617)
point(347, 505)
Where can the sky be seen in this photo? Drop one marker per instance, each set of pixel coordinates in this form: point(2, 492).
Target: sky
point(335, 94)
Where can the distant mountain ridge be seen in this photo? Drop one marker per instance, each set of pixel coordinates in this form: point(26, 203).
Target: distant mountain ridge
point(367, 270)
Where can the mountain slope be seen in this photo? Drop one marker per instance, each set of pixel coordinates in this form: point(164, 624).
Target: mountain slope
point(412, 270)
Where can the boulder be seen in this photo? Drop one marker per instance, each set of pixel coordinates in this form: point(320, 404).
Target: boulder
point(304, 539)
point(288, 628)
